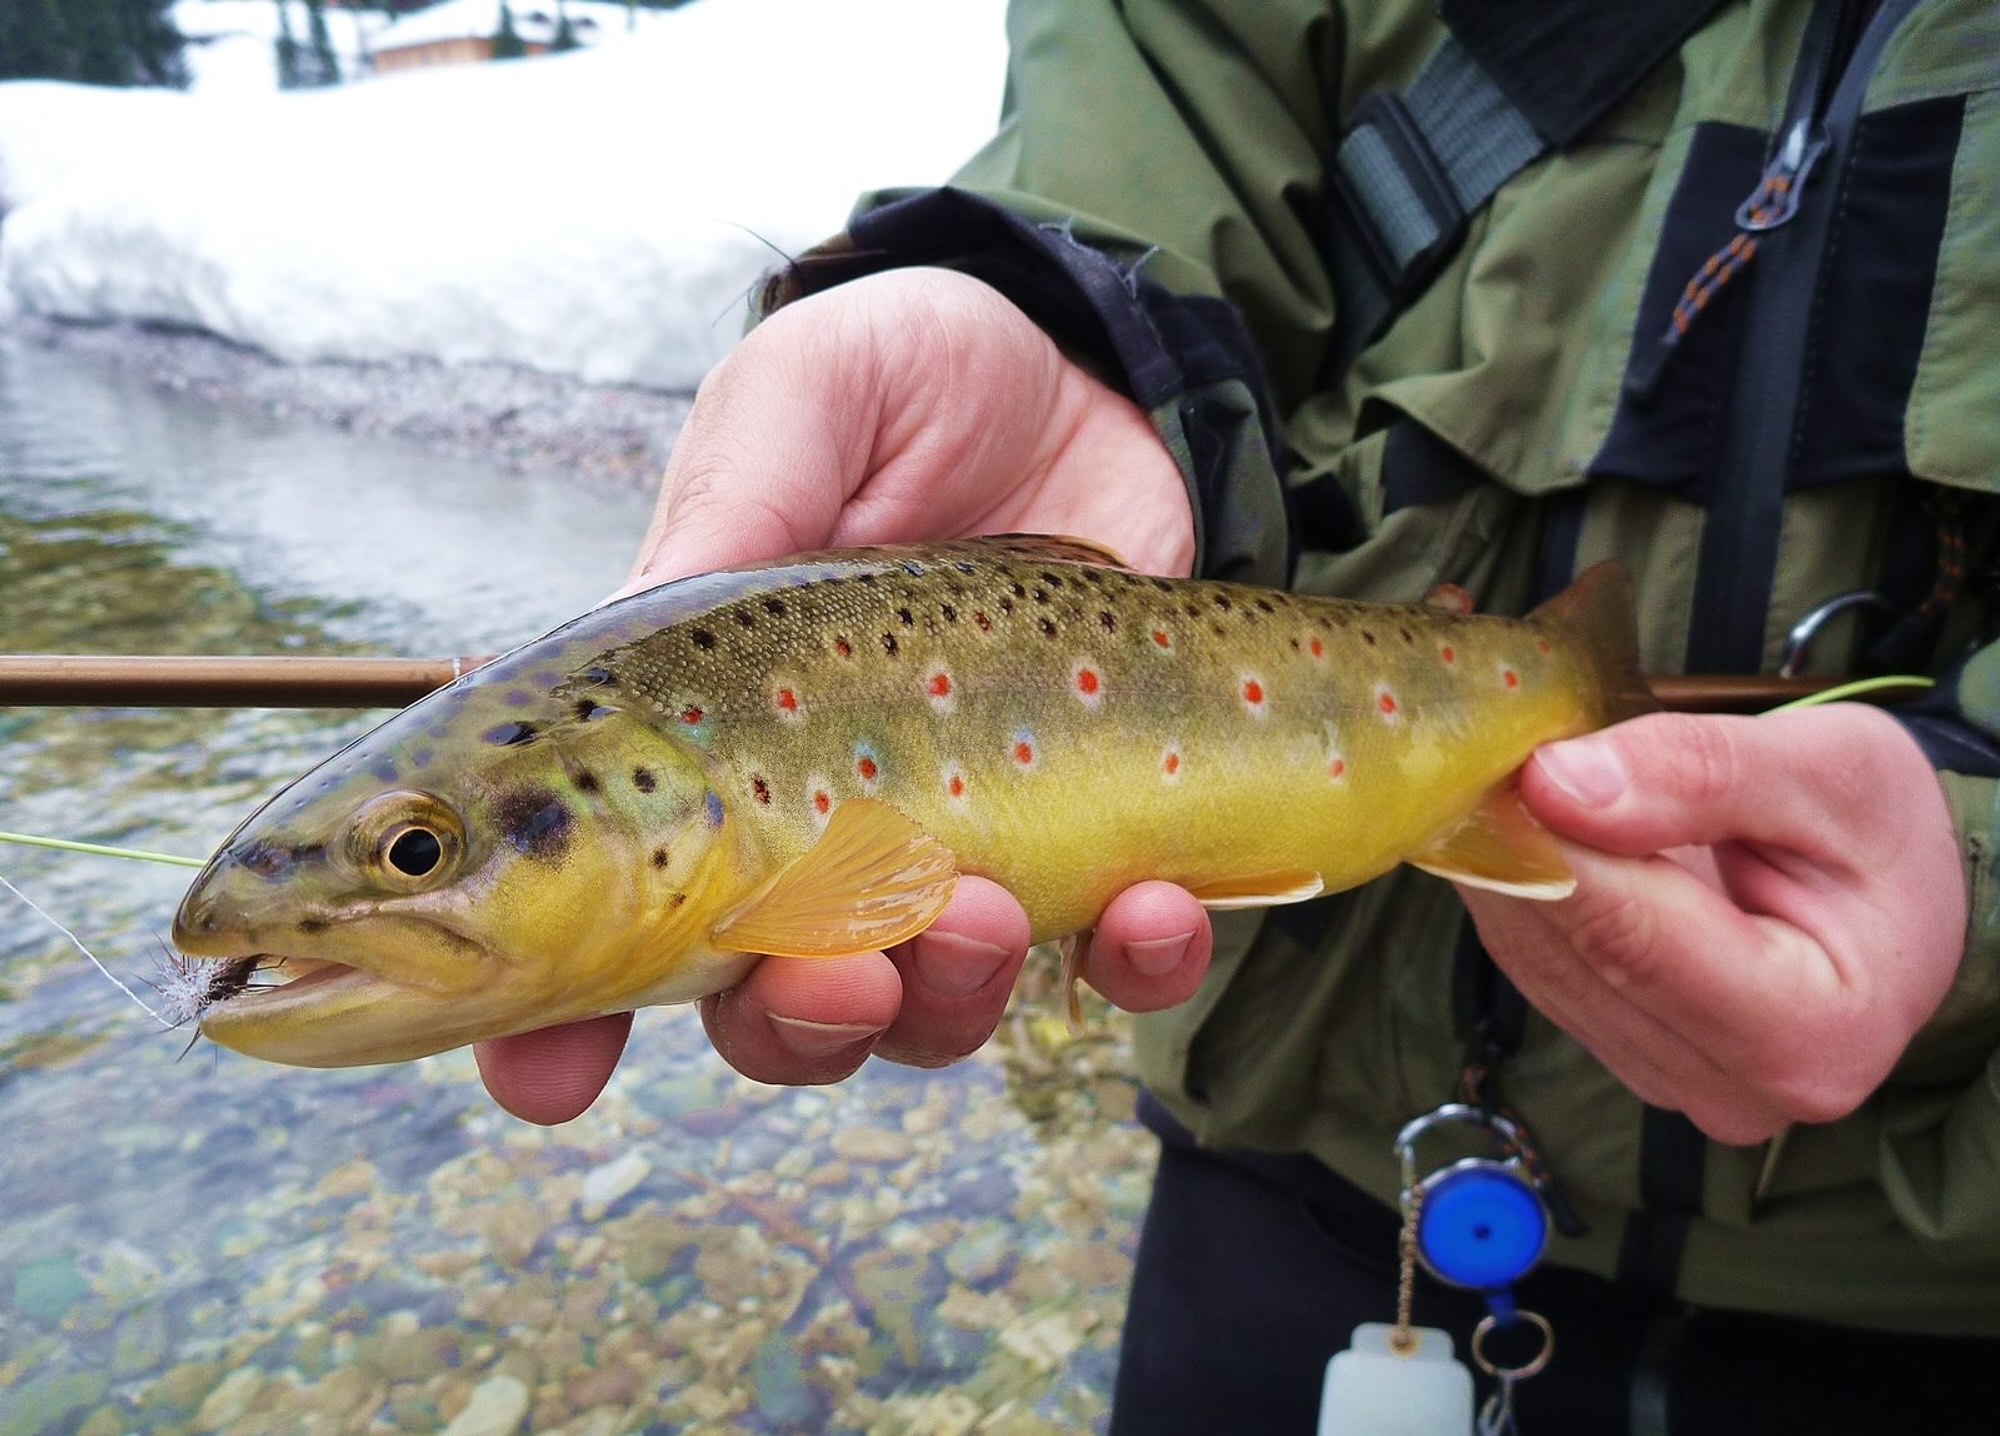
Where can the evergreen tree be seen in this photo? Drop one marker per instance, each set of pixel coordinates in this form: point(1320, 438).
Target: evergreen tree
point(565, 37)
point(318, 64)
point(507, 40)
point(98, 42)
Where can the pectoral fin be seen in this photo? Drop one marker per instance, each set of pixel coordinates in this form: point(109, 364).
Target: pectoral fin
point(873, 879)
point(1260, 890)
point(1501, 847)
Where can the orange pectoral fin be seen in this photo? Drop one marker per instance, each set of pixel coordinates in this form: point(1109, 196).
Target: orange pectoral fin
point(1502, 848)
point(872, 880)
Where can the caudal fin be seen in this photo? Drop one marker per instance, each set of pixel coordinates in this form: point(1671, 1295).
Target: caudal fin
point(1596, 614)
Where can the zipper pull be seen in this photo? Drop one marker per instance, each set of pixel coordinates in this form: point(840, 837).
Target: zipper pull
point(1770, 205)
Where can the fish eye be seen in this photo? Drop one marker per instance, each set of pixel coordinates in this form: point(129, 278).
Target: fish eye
point(414, 852)
point(408, 841)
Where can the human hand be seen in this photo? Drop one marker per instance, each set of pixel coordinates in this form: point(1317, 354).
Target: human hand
point(1767, 909)
point(914, 404)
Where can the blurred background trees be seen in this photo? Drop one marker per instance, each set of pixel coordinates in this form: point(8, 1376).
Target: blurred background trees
point(95, 42)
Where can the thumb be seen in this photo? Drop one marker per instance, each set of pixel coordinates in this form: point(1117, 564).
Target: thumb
point(1807, 781)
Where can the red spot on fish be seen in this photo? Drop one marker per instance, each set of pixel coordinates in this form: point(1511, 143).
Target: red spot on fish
point(822, 802)
point(1448, 654)
point(1171, 764)
point(865, 766)
point(843, 648)
point(1253, 692)
point(1543, 644)
point(1509, 677)
point(1024, 752)
point(1318, 648)
point(1386, 701)
point(1337, 768)
point(760, 789)
point(1160, 638)
point(690, 715)
point(985, 624)
point(1086, 681)
point(955, 785)
point(940, 685)
point(787, 701)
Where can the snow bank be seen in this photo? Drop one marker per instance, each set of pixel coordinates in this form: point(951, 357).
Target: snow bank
point(589, 213)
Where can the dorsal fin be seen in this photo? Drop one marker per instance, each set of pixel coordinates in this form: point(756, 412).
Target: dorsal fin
point(1058, 548)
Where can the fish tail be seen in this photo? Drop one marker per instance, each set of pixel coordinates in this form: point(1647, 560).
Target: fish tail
point(1596, 615)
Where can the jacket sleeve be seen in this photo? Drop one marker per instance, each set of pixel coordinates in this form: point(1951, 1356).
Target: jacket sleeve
point(1151, 200)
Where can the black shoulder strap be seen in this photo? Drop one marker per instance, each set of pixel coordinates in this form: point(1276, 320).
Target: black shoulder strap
point(1513, 79)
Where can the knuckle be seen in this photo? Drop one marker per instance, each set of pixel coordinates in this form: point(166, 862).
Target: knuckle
point(1620, 935)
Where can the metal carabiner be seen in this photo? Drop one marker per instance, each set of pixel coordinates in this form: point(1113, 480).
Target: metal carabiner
point(1807, 628)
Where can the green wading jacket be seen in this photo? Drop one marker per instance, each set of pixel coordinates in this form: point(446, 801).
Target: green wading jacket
point(1156, 159)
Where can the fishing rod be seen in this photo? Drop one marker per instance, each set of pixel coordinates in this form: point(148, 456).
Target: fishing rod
point(292, 681)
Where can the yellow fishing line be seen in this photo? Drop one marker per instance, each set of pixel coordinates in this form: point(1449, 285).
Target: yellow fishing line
point(1855, 689)
point(100, 850)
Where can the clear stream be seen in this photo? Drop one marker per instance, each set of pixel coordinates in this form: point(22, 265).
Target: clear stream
point(203, 1243)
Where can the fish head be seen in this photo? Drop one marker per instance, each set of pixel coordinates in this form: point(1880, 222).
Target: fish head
point(466, 874)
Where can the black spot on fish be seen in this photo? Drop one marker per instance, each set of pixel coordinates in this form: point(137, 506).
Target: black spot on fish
point(311, 925)
point(775, 607)
point(677, 899)
point(422, 757)
point(1050, 579)
point(1264, 606)
point(1090, 575)
point(864, 578)
point(585, 780)
point(906, 616)
point(1367, 638)
point(1006, 605)
point(912, 567)
point(386, 770)
point(1407, 640)
point(1218, 630)
point(760, 789)
point(660, 858)
point(534, 821)
point(703, 639)
point(963, 567)
point(597, 674)
point(1162, 585)
point(643, 780)
point(1018, 590)
point(889, 644)
point(518, 698)
point(266, 860)
point(506, 735)
point(1048, 627)
point(588, 711)
point(1041, 595)
point(950, 613)
point(1192, 609)
point(746, 618)
point(1222, 602)
point(1106, 618)
point(984, 624)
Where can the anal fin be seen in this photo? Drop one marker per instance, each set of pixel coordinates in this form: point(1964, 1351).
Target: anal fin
point(1258, 890)
point(1500, 847)
point(872, 880)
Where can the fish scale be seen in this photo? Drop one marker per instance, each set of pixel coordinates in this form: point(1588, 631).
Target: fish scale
point(792, 751)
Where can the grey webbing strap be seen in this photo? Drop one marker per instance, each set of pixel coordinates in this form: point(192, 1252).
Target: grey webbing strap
point(1410, 171)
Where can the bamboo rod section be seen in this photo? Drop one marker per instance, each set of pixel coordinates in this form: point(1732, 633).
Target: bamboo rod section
point(83, 680)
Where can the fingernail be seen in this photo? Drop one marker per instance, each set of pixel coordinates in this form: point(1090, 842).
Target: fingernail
point(820, 1039)
point(1589, 771)
point(953, 965)
point(1160, 956)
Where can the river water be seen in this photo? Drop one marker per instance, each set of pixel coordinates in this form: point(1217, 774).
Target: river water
point(191, 1241)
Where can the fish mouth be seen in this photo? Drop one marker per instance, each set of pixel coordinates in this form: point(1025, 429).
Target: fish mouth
point(237, 986)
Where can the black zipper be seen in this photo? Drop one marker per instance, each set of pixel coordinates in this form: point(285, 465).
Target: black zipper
point(1739, 546)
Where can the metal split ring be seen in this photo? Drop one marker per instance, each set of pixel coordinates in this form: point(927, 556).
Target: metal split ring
point(1487, 1325)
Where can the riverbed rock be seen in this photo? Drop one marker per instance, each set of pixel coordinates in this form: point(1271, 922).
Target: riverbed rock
point(496, 1408)
point(605, 1186)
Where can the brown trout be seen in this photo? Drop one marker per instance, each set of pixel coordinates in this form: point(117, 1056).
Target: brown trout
point(799, 758)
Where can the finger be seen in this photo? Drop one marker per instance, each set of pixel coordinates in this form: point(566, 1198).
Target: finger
point(1151, 948)
point(1806, 781)
point(554, 1073)
point(804, 1021)
point(956, 976)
